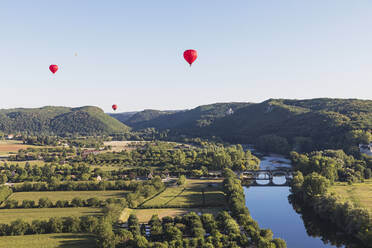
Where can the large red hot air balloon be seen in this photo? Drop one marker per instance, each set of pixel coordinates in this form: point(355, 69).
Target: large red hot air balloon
point(190, 56)
point(114, 107)
point(53, 68)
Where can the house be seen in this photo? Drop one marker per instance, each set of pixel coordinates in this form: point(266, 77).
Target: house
point(366, 149)
point(10, 136)
point(229, 111)
point(99, 178)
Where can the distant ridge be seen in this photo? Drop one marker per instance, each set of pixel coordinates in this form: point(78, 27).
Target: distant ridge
point(325, 120)
point(59, 120)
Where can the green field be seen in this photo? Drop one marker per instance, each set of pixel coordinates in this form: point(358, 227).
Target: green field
point(67, 195)
point(63, 240)
point(30, 214)
point(144, 215)
point(193, 193)
point(358, 193)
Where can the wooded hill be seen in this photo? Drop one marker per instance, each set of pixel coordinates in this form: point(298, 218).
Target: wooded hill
point(59, 120)
point(315, 123)
point(185, 121)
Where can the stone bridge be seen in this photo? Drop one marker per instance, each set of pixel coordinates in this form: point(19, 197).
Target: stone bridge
point(251, 177)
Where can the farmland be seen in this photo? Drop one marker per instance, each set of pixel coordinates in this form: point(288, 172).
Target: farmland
point(30, 214)
point(23, 163)
point(70, 240)
point(144, 215)
point(67, 195)
point(358, 193)
point(8, 147)
point(193, 193)
point(118, 146)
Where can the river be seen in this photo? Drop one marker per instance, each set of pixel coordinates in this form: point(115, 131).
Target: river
point(270, 207)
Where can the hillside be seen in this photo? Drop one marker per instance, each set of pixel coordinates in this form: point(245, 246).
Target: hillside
point(59, 120)
point(140, 119)
point(124, 116)
point(186, 121)
point(326, 121)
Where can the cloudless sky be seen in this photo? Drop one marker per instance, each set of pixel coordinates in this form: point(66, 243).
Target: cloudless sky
point(129, 52)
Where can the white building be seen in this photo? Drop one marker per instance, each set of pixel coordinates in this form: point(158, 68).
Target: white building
point(366, 149)
point(230, 111)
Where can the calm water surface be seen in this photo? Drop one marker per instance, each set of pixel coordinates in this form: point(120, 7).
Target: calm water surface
point(270, 207)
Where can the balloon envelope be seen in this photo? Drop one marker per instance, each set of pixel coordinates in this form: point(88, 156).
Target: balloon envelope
point(53, 68)
point(114, 107)
point(190, 56)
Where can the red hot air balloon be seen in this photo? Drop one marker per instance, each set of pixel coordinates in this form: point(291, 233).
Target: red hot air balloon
point(190, 56)
point(114, 107)
point(53, 68)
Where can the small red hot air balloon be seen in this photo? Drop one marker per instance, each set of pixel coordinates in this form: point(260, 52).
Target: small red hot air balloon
point(53, 68)
point(190, 56)
point(114, 107)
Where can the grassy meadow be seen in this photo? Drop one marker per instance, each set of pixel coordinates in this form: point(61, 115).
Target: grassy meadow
point(358, 193)
point(62, 240)
point(67, 195)
point(30, 214)
point(193, 193)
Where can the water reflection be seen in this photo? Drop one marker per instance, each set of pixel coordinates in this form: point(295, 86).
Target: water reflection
point(269, 206)
point(300, 228)
point(316, 227)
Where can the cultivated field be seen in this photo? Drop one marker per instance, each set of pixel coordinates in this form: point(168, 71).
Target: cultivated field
point(359, 193)
point(30, 214)
point(118, 146)
point(144, 215)
point(66, 240)
point(12, 146)
point(193, 193)
point(67, 195)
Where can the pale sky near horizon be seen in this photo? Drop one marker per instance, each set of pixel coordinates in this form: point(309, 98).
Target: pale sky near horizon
point(130, 52)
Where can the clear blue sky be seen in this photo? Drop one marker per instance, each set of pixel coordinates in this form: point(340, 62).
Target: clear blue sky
point(130, 52)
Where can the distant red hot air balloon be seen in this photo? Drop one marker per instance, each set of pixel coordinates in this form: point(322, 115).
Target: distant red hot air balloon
point(114, 107)
point(190, 56)
point(53, 68)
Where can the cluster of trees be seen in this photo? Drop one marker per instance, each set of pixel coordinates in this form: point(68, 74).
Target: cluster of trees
point(335, 165)
point(87, 142)
point(273, 143)
point(40, 140)
point(190, 230)
point(262, 238)
point(50, 154)
point(85, 224)
point(55, 172)
point(45, 202)
point(311, 191)
point(212, 157)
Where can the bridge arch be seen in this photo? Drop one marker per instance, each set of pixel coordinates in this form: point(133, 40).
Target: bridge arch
point(252, 176)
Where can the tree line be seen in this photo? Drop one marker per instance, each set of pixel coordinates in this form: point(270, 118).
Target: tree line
point(311, 190)
point(45, 202)
point(262, 238)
